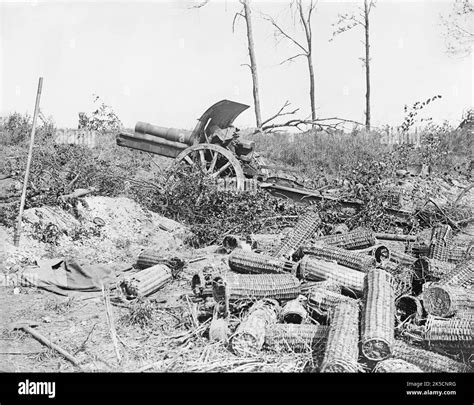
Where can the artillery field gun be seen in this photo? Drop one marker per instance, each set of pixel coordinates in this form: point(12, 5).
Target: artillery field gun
point(216, 147)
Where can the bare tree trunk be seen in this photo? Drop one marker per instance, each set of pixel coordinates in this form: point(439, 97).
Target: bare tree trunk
point(309, 37)
point(311, 88)
point(253, 62)
point(367, 66)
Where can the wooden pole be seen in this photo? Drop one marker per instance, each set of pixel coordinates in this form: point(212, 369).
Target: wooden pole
point(16, 237)
point(50, 344)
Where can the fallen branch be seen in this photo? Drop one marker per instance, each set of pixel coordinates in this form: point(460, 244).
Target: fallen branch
point(320, 122)
point(280, 113)
point(42, 339)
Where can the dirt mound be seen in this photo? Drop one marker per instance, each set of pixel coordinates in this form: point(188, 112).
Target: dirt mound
point(107, 230)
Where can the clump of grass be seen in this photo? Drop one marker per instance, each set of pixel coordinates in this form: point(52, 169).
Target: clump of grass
point(141, 313)
point(59, 308)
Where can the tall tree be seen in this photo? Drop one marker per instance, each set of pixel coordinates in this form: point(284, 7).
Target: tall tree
point(458, 28)
point(345, 23)
point(304, 16)
point(246, 14)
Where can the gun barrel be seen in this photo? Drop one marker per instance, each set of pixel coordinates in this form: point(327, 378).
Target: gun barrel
point(170, 134)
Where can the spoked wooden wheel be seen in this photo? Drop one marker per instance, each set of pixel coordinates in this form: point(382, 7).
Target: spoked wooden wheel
point(215, 161)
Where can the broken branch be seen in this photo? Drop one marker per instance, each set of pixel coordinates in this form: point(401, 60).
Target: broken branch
point(280, 113)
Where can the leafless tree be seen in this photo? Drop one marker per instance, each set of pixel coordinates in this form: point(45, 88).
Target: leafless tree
point(304, 15)
point(458, 28)
point(246, 14)
point(351, 20)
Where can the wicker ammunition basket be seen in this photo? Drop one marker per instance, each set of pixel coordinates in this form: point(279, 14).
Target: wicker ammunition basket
point(408, 305)
point(294, 311)
point(446, 300)
point(353, 260)
point(441, 242)
point(458, 254)
point(249, 337)
point(402, 282)
point(322, 300)
point(328, 285)
point(380, 253)
point(357, 239)
point(462, 275)
point(231, 242)
point(315, 269)
point(295, 338)
point(378, 320)
point(232, 287)
point(149, 258)
point(418, 249)
point(431, 269)
point(303, 231)
point(307, 286)
point(146, 282)
point(396, 366)
point(402, 258)
point(242, 261)
point(427, 361)
point(342, 349)
point(450, 333)
point(339, 229)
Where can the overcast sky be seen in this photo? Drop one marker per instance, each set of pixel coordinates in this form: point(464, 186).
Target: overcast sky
point(165, 63)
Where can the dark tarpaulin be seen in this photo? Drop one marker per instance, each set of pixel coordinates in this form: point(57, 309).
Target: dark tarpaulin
point(66, 277)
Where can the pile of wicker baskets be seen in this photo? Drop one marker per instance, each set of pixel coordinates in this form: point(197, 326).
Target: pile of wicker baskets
point(406, 310)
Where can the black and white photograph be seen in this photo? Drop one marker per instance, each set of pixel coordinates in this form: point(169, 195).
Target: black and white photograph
point(198, 191)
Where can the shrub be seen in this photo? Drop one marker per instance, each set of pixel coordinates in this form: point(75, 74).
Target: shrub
point(189, 197)
point(15, 129)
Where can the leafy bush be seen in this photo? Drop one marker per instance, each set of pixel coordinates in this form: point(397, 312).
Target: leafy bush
point(102, 119)
point(189, 197)
point(16, 129)
point(58, 169)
